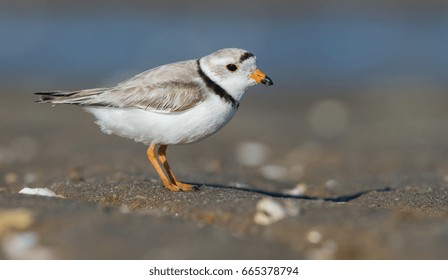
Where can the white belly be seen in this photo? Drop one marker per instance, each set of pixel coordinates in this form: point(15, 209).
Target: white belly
point(148, 127)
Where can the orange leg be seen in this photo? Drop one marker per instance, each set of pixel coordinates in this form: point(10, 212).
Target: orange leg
point(153, 159)
point(164, 161)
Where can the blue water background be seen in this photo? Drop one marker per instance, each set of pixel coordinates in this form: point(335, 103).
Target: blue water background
point(322, 50)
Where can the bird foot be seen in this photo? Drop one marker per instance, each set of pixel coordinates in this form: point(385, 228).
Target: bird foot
point(184, 187)
point(171, 187)
point(178, 186)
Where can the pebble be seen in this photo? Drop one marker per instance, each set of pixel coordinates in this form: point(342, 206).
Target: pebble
point(269, 211)
point(299, 189)
point(252, 153)
point(24, 246)
point(240, 185)
point(39, 191)
point(314, 236)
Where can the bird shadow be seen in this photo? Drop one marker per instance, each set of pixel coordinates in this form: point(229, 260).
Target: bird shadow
point(340, 199)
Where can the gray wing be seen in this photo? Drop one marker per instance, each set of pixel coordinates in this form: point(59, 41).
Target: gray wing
point(170, 88)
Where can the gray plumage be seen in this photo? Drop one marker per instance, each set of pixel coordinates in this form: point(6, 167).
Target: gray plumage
point(168, 88)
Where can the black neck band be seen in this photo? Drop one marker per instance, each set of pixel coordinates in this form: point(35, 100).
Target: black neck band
point(216, 88)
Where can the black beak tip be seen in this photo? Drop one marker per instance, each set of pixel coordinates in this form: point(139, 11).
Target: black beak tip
point(267, 81)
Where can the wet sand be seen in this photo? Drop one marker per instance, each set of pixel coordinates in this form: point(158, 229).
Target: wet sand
point(351, 175)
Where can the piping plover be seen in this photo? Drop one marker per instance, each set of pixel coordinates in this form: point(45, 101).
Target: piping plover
point(177, 103)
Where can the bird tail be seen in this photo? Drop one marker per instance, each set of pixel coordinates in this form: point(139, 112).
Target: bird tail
point(82, 97)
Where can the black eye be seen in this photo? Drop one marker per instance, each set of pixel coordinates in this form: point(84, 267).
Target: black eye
point(231, 67)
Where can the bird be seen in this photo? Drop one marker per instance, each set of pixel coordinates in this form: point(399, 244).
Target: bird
point(177, 103)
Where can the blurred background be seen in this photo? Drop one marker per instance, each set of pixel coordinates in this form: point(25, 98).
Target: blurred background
point(302, 44)
point(355, 74)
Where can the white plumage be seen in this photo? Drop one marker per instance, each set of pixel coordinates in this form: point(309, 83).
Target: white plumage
point(152, 127)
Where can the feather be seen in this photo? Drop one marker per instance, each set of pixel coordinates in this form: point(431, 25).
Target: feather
point(169, 88)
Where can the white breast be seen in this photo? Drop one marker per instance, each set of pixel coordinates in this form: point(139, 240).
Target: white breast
point(149, 127)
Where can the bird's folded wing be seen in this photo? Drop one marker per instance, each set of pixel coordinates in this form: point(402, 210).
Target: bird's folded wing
point(171, 96)
point(169, 88)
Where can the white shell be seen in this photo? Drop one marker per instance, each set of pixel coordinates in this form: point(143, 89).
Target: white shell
point(38, 191)
point(269, 211)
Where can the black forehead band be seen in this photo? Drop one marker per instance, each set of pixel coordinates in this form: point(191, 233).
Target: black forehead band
point(246, 56)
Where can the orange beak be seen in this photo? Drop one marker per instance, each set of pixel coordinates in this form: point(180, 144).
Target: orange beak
point(260, 77)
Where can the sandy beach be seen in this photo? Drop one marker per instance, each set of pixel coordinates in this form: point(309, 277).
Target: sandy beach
point(278, 182)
